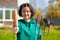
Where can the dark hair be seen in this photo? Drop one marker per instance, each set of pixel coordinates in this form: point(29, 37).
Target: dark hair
point(24, 5)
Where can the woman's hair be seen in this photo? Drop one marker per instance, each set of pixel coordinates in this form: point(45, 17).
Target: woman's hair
point(26, 5)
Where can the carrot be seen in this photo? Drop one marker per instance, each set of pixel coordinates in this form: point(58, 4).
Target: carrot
point(15, 19)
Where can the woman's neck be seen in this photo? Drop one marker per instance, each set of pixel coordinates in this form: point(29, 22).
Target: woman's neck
point(27, 20)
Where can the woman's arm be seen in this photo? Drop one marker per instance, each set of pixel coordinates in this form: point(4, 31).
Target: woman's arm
point(14, 30)
point(15, 22)
point(39, 33)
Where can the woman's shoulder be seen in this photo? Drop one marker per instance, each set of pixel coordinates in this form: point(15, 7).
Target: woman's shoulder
point(23, 21)
point(33, 20)
point(20, 20)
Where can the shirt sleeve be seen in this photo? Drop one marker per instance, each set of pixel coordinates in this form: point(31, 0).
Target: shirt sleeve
point(19, 27)
point(39, 29)
point(39, 32)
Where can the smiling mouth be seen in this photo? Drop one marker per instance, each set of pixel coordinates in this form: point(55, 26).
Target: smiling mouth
point(26, 15)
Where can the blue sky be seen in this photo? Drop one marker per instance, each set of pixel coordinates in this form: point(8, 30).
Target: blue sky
point(42, 4)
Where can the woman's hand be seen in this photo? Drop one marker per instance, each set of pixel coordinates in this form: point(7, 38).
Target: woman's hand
point(15, 22)
point(14, 30)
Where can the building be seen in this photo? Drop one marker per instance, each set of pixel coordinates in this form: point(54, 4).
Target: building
point(6, 11)
point(8, 6)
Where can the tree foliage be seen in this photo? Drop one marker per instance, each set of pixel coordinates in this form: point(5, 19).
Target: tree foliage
point(54, 11)
point(38, 14)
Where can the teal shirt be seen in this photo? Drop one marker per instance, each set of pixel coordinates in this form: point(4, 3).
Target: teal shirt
point(28, 30)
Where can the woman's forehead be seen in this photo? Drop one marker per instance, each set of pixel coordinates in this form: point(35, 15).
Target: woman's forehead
point(26, 8)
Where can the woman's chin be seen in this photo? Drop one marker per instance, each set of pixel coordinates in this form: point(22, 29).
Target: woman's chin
point(26, 18)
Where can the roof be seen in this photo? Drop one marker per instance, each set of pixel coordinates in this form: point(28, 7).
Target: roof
point(8, 2)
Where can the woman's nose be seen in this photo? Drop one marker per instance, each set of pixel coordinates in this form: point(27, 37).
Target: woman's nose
point(26, 13)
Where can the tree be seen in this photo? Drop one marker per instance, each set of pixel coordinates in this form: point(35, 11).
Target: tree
point(38, 14)
point(54, 10)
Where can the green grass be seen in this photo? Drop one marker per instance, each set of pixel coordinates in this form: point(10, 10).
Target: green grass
point(54, 34)
point(6, 34)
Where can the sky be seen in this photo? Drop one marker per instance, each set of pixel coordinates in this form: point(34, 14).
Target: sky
point(42, 4)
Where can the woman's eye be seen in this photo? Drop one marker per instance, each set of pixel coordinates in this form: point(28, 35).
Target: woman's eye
point(23, 11)
point(28, 11)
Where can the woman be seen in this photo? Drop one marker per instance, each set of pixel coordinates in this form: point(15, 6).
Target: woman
point(27, 29)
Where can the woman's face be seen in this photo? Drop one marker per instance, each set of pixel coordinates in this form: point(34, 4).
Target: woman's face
point(26, 13)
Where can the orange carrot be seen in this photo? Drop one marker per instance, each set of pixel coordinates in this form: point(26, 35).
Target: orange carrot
point(15, 19)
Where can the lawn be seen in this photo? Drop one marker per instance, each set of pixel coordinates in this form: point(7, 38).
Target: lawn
point(6, 34)
point(54, 34)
